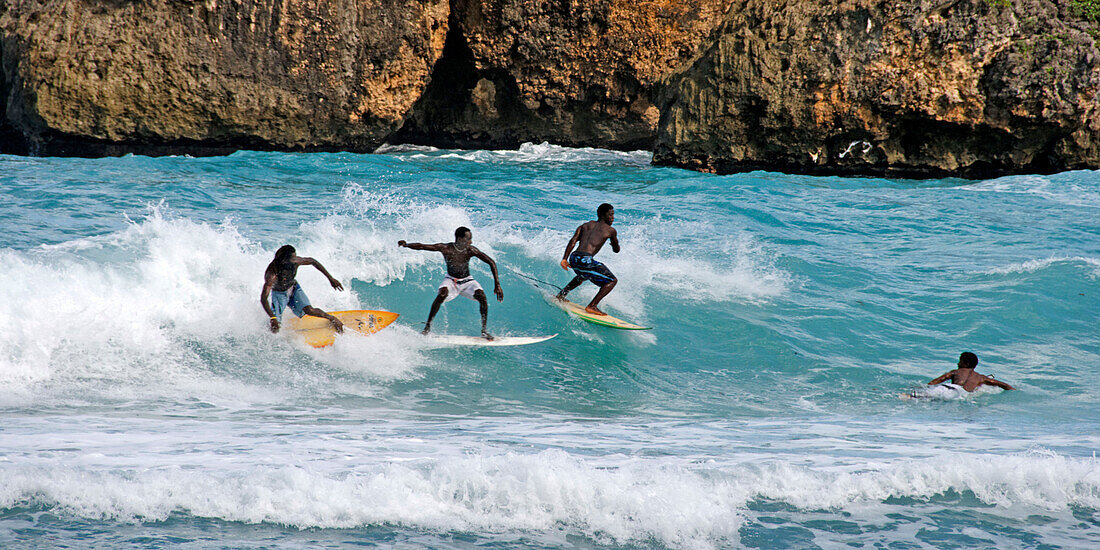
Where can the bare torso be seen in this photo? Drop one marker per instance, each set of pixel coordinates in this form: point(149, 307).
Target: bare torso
point(969, 379)
point(285, 275)
point(458, 259)
point(593, 235)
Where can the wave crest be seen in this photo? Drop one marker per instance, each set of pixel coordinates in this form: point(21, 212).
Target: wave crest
point(638, 500)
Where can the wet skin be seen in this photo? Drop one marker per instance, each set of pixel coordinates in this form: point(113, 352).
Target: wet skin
point(457, 256)
point(281, 278)
point(589, 238)
point(969, 379)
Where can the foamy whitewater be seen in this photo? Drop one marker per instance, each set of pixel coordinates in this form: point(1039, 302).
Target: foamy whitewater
point(146, 405)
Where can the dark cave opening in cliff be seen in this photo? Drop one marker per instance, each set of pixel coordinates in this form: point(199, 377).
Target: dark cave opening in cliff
point(446, 96)
point(464, 107)
point(12, 141)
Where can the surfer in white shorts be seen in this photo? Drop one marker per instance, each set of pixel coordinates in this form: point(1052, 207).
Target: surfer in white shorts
point(966, 377)
point(458, 280)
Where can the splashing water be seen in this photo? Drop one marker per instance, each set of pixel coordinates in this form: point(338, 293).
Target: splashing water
point(147, 404)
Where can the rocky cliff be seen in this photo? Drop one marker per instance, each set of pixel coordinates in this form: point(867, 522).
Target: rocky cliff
point(925, 88)
point(580, 73)
point(93, 77)
point(203, 76)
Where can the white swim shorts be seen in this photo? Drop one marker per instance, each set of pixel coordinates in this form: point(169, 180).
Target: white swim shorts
point(466, 287)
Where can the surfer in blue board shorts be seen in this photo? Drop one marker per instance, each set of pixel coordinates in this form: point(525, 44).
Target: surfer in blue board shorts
point(589, 239)
point(284, 291)
point(458, 280)
point(966, 377)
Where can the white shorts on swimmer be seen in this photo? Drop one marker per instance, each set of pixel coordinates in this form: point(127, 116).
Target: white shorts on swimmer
point(466, 287)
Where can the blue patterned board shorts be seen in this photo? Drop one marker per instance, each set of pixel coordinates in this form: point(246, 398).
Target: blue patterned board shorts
point(293, 297)
point(587, 267)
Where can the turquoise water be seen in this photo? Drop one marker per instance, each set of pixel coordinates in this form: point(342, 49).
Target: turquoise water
point(145, 404)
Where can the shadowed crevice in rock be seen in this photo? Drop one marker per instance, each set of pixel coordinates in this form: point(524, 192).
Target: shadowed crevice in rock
point(12, 141)
point(463, 107)
point(573, 74)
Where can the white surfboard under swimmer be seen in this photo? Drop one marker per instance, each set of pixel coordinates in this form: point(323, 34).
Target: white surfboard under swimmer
point(457, 340)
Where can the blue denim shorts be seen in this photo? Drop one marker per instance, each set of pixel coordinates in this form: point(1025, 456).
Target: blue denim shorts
point(293, 297)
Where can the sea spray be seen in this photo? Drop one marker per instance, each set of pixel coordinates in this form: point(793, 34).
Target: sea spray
point(145, 399)
point(624, 500)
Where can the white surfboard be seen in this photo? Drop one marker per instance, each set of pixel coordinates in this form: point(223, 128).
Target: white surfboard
point(945, 391)
point(456, 340)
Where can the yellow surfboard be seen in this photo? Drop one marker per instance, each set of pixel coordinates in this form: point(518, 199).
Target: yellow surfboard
point(604, 320)
point(318, 331)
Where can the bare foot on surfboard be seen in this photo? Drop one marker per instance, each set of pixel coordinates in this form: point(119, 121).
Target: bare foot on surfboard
point(594, 310)
point(487, 336)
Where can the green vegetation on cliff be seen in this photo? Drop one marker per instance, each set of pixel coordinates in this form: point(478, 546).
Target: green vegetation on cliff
point(1087, 9)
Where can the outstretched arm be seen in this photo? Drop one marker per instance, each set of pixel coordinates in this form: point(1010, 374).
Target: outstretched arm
point(569, 248)
point(265, 294)
point(941, 378)
point(331, 280)
point(998, 383)
point(437, 247)
point(492, 266)
point(614, 241)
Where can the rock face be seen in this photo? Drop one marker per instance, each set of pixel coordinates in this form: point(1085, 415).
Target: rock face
point(92, 77)
point(968, 88)
point(579, 73)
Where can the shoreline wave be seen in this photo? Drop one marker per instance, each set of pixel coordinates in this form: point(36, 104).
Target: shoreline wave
point(626, 503)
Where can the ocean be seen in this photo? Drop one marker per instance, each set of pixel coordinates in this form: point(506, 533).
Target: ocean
point(146, 405)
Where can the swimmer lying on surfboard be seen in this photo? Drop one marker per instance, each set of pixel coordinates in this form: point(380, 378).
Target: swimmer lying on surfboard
point(589, 238)
point(966, 377)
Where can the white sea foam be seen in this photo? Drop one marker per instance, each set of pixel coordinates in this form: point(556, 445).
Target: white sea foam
point(527, 153)
point(87, 297)
point(158, 304)
point(1031, 266)
point(390, 149)
point(362, 239)
point(950, 393)
point(621, 500)
point(738, 268)
point(128, 308)
point(743, 270)
point(1070, 188)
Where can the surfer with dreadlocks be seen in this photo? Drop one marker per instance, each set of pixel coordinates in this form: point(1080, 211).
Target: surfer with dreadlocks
point(284, 291)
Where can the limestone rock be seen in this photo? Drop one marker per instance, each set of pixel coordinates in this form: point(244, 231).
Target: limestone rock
point(88, 77)
point(950, 87)
point(572, 73)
